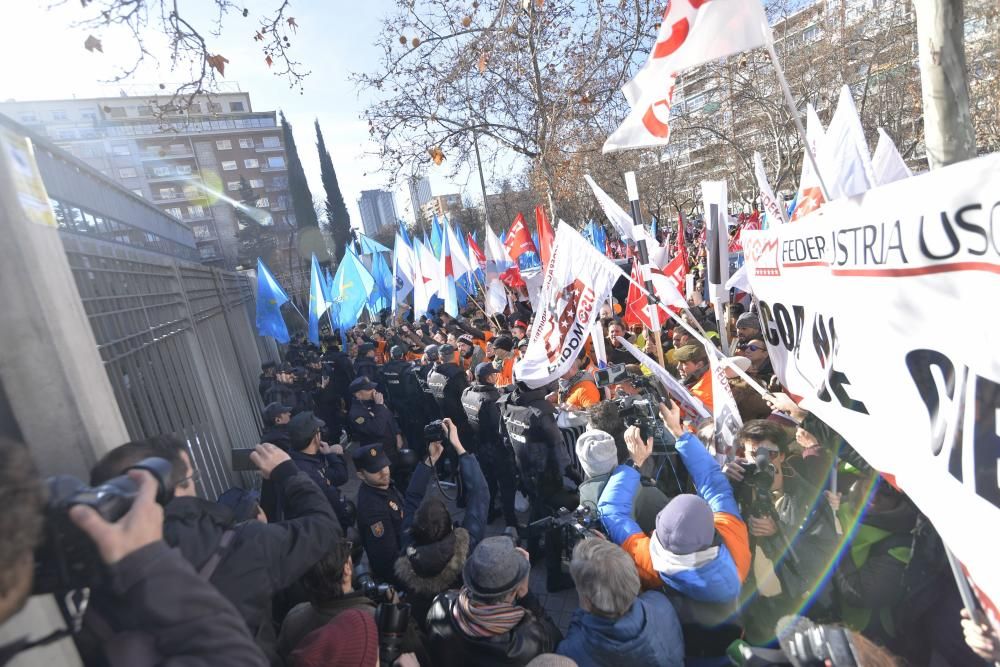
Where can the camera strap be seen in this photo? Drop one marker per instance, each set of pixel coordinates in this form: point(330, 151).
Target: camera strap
point(221, 550)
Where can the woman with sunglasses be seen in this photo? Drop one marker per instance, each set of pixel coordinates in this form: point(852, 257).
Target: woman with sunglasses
point(760, 365)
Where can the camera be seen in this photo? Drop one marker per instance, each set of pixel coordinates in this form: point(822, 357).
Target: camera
point(391, 619)
point(576, 524)
point(365, 583)
point(753, 493)
point(803, 644)
point(613, 374)
point(435, 432)
point(67, 559)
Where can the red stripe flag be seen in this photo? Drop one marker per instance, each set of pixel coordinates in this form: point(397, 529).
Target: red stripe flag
point(518, 239)
point(546, 237)
point(474, 247)
point(681, 242)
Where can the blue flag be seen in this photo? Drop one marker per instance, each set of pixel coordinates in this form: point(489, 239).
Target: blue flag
point(270, 298)
point(436, 237)
point(351, 288)
point(318, 300)
point(381, 295)
point(404, 234)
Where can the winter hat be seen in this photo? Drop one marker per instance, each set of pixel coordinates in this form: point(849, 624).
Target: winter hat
point(503, 343)
point(597, 452)
point(495, 567)
point(748, 321)
point(349, 640)
point(685, 525)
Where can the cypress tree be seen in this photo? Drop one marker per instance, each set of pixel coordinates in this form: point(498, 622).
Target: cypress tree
point(256, 239)
point(338, 219)
point(298, 188)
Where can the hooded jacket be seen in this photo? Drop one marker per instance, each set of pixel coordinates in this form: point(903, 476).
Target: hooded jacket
point(715, 580)
point(648, 634)
point(263, 558)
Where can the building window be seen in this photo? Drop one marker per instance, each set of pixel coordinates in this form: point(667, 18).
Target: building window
point(202, 232)
point(256, 182)
point(174, 211)
point(190, 191)
point(214, 107)
point(183, 170)
point(279, 182)
point(246, 143)
point(223, 145)
point(194, 107)
point(127, 172)
point(263, 203)
point(168, 193)
point(275, 162)
point(115, 112)
point(196, 211)
point(28, 118)
point(271, 142)
point(233, 186)
point(229, 165)
point(59, 115)
point(65, 134)
point(144, 110)
point(120, 149)
point(236, 106)
point(160, 172)
point(88, 114)
point(251, 163)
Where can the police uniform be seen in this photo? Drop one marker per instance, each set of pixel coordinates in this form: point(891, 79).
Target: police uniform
point(406, 399)
point(380, 516)
point(370, 422)
point(479, 401)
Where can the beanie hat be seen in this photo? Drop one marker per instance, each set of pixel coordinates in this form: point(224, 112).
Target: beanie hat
point(597, 452)
point(685, 525)
point(748, 321)
point(349, 640)
point(503, 343)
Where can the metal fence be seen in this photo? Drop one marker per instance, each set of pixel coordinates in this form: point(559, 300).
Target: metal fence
point(179, 343)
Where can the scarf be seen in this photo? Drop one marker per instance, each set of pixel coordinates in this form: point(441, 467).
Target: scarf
point(476, 619)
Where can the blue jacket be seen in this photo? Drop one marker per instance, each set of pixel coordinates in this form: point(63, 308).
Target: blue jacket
point(648, 634)
point(718, 580)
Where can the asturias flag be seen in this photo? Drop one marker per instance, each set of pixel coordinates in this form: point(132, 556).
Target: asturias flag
point(270, 297)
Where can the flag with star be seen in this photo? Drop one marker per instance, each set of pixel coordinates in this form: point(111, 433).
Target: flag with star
point(270, 297)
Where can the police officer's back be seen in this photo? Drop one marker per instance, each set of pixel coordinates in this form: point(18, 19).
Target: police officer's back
point(398, 386)
point(380, 511)
point(446, 383)
point(479, 400)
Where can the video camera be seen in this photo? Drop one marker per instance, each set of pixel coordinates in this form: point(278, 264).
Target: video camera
point(365, 583)
point(67, 559)
point(803, 644)
point(576, 525)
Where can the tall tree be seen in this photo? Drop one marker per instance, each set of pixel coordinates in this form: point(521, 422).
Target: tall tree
point(298, 188)
point(338, 220)
point(256, 238)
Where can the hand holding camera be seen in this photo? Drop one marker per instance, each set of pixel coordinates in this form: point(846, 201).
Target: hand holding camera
point(671, 416)
point(451, 433)
point(142, 524)
point(733, 471)
point(640, 449)
point(434, 451)
point(267, 457)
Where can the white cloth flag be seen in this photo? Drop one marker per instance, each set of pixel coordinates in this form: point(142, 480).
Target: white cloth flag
point(497, 258)
point(425, 282)
point(727, 416)
point(844, 159)
point(809, 196)
point(775, 209)
point(690, 403)
point(740, 280)
point(578, 279)
point(456, 254)
point(887, 163)
point(402, 272)
point(690, 34)
point(617, 216)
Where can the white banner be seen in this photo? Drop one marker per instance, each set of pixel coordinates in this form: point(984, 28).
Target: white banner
point(880, 314)
point(727, 416)
point(775, 209)
point(577, 281)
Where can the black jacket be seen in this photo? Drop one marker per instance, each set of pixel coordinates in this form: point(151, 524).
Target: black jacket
point(328, 472)
point(276, 434)
point(263, 558)
point(380, 522)
point(535, 634)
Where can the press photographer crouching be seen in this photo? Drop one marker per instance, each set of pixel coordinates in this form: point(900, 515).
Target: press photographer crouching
point(108, 541)
point(699, 551)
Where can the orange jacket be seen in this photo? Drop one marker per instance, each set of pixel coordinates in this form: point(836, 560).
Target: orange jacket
point(702, 389)
point(582, 395)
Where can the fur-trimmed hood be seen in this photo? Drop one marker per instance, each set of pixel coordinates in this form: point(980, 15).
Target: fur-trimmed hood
point(443, 580)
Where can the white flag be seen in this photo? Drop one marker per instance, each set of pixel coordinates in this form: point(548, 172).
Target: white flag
point(498, 260)
point(456, 254)
point(496, 298)
point(810, 196)
point(843, 157)
point(887, 163)
point(690, 34)
point(402, 272)
point(727, 416)
point(617, 216)
point(690, 403)
point(775, 209)
point(426, 278)
point(578, 279)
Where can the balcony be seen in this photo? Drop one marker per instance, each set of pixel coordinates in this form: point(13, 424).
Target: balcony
point(269, 149)
point(150, 178)
point(165, 155)
point(180, 197)
point(279, 207)
point(265, 169)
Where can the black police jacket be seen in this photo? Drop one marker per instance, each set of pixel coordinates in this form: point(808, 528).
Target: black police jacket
point(264, 558)
point(480, 404)
point(370, 422)
point(399, 390)
point(446, 383)
point(366, 366)
point(380, 521)
point(448, 646)
point(530, 426)
point(285, 394)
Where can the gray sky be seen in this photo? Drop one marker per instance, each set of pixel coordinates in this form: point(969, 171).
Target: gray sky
point(45, 59)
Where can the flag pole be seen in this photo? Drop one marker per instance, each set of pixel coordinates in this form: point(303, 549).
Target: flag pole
point(652, 303)
point(296, 308)
point(787, 92)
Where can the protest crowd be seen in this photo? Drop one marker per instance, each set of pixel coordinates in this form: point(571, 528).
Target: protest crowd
point(628, 415)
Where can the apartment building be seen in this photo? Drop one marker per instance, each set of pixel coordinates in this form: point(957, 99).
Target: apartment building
point(187, 164)
point(378, 210)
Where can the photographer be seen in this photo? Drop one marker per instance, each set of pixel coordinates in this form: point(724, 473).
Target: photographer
point(323, 463)
point(434, 551)
point(250, 561)
point(494, 619)
point(616, 625)
point(151, 584)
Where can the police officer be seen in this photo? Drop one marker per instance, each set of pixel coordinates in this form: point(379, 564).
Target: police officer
point(365, 364)
point(282, 390)
point(380, 511)
point(547, 475)
point(370, 421)
point(276, 417)
point(479, 400)
point(323, 463)
point(406, 397)
point(446, 383)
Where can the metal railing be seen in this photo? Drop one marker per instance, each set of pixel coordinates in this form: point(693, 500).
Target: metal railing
point(180, 347)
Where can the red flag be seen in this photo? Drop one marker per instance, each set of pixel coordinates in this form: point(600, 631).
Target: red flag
point(546, 237)
point(474, 247)
point(681, 242)
point(519, 239)
point(675, 272)
point(748, 223)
